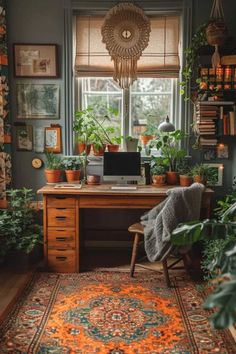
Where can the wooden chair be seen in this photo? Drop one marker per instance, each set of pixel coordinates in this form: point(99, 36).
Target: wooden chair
point(138, 231)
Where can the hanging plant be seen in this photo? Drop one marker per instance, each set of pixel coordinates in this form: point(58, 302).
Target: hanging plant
point(190, 71)
point(216, 31)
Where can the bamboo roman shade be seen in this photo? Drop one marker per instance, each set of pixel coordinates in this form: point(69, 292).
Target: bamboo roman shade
point(159, 59)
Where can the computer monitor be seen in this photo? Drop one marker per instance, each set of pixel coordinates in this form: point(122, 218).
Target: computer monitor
point(121, 167)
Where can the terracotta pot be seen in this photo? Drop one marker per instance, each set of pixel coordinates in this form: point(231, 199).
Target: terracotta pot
point(185, 181)
point(93, 179)
point(159, 180)
point(172, 178)
point(99, 151)
point(81, 148)
point(72, 175)
point(113, 147)
point(199, 179)
point(52, 176)
point(145, 139)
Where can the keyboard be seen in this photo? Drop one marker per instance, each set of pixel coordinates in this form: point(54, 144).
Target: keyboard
point(125, 188)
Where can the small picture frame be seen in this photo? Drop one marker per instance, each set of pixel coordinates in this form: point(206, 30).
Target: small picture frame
point(53, 139)
point(209, 154)
point(24, 137)
point(222, 151)
point(216, 174)
point(39, 135)
point(37, 101)
point(35, 60)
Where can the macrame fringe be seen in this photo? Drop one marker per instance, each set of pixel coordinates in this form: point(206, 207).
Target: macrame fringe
point(125, 71)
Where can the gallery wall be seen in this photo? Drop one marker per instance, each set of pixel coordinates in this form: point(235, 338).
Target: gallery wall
point(33, 21)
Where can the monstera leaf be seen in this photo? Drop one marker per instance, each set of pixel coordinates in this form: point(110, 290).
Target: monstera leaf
point(224, 299)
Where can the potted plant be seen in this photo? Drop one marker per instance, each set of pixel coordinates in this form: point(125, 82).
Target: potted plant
point(84, 127)
point(200, 173)
point(185, 175)
point(72, 168)
point(131, 143)
point(168, 145)
point(148, 134)
point(53, 168)
point(158, 171)
point(20, 234)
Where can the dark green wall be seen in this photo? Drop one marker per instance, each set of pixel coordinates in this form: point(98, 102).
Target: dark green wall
point(34, 21)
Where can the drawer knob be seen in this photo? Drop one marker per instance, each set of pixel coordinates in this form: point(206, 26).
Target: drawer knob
point(61, 259)
point(60, 208)
point(61, 217)
point(61, 238)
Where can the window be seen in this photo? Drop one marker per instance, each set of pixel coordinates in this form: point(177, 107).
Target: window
point(149, 101)
point(151, 98)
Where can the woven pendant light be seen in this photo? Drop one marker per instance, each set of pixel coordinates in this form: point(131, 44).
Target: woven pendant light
point(125, 32)
point(216, 31)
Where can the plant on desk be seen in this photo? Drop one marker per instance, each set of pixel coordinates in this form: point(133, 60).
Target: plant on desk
point(72, 166)
point(158, 171)
point(168, 145)
point(53, 168)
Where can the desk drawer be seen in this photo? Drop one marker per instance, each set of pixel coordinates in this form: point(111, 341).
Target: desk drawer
point(61, 238)
point(61, 217)
point(62, 261)
point(61, 201)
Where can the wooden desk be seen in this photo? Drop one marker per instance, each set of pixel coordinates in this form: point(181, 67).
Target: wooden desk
point(61, 217)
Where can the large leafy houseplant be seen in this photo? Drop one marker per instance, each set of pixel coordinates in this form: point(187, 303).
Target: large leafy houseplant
point(18, 227)
point(222, 232)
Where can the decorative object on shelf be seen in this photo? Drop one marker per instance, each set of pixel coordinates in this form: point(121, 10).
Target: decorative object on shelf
point(216, 31)
point(24, 137)
point(215, 174)
point(222, 151)
point(37, 101)
point(53, 138)
point(37, 162)
point(166, 126)
point(209, 154)
point(125, 32)
point(35, 60)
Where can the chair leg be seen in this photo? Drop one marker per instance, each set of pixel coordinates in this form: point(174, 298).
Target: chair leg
point(134, 254)
point(166, 273)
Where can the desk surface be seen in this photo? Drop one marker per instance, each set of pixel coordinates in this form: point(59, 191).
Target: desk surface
point(105, 189)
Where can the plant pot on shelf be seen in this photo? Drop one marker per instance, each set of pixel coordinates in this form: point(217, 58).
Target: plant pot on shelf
point(81, 148)
point(93, 179)
point(159, 180)
point(200, 179)
point(131, 144)
point(99, 151)
point(172, 178)
point(145, 139)
point(72, 175)
point(185, 181)
point(52, 176)
point(113, 147)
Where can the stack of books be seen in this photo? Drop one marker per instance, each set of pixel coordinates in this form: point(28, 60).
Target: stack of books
point(207, 115)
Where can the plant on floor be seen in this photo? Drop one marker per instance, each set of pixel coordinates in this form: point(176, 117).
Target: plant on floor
point(18, 227)
point(220, 262)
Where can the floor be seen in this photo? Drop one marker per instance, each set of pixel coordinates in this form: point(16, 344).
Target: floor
point(12, 280)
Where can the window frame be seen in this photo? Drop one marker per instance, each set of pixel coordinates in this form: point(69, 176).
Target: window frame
point(183, 7)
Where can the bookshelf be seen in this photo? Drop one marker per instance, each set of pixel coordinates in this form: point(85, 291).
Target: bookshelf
point(214, 120)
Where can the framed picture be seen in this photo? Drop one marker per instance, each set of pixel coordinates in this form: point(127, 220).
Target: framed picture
point(209, 154)
point(37, 101)
point(24, 137)
point(39, 134)
point(216, 174)
point(35, 60)
point(53, 139)
point(222, 151)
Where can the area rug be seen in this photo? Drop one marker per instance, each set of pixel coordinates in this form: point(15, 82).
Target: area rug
point(110, 313)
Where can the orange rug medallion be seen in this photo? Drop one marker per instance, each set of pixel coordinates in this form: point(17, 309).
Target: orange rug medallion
point(110, 313)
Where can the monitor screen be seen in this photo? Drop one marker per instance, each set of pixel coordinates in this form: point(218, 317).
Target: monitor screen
point(121, 166)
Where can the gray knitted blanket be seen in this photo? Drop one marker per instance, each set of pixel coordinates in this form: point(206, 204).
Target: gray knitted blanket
point(182, 204)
